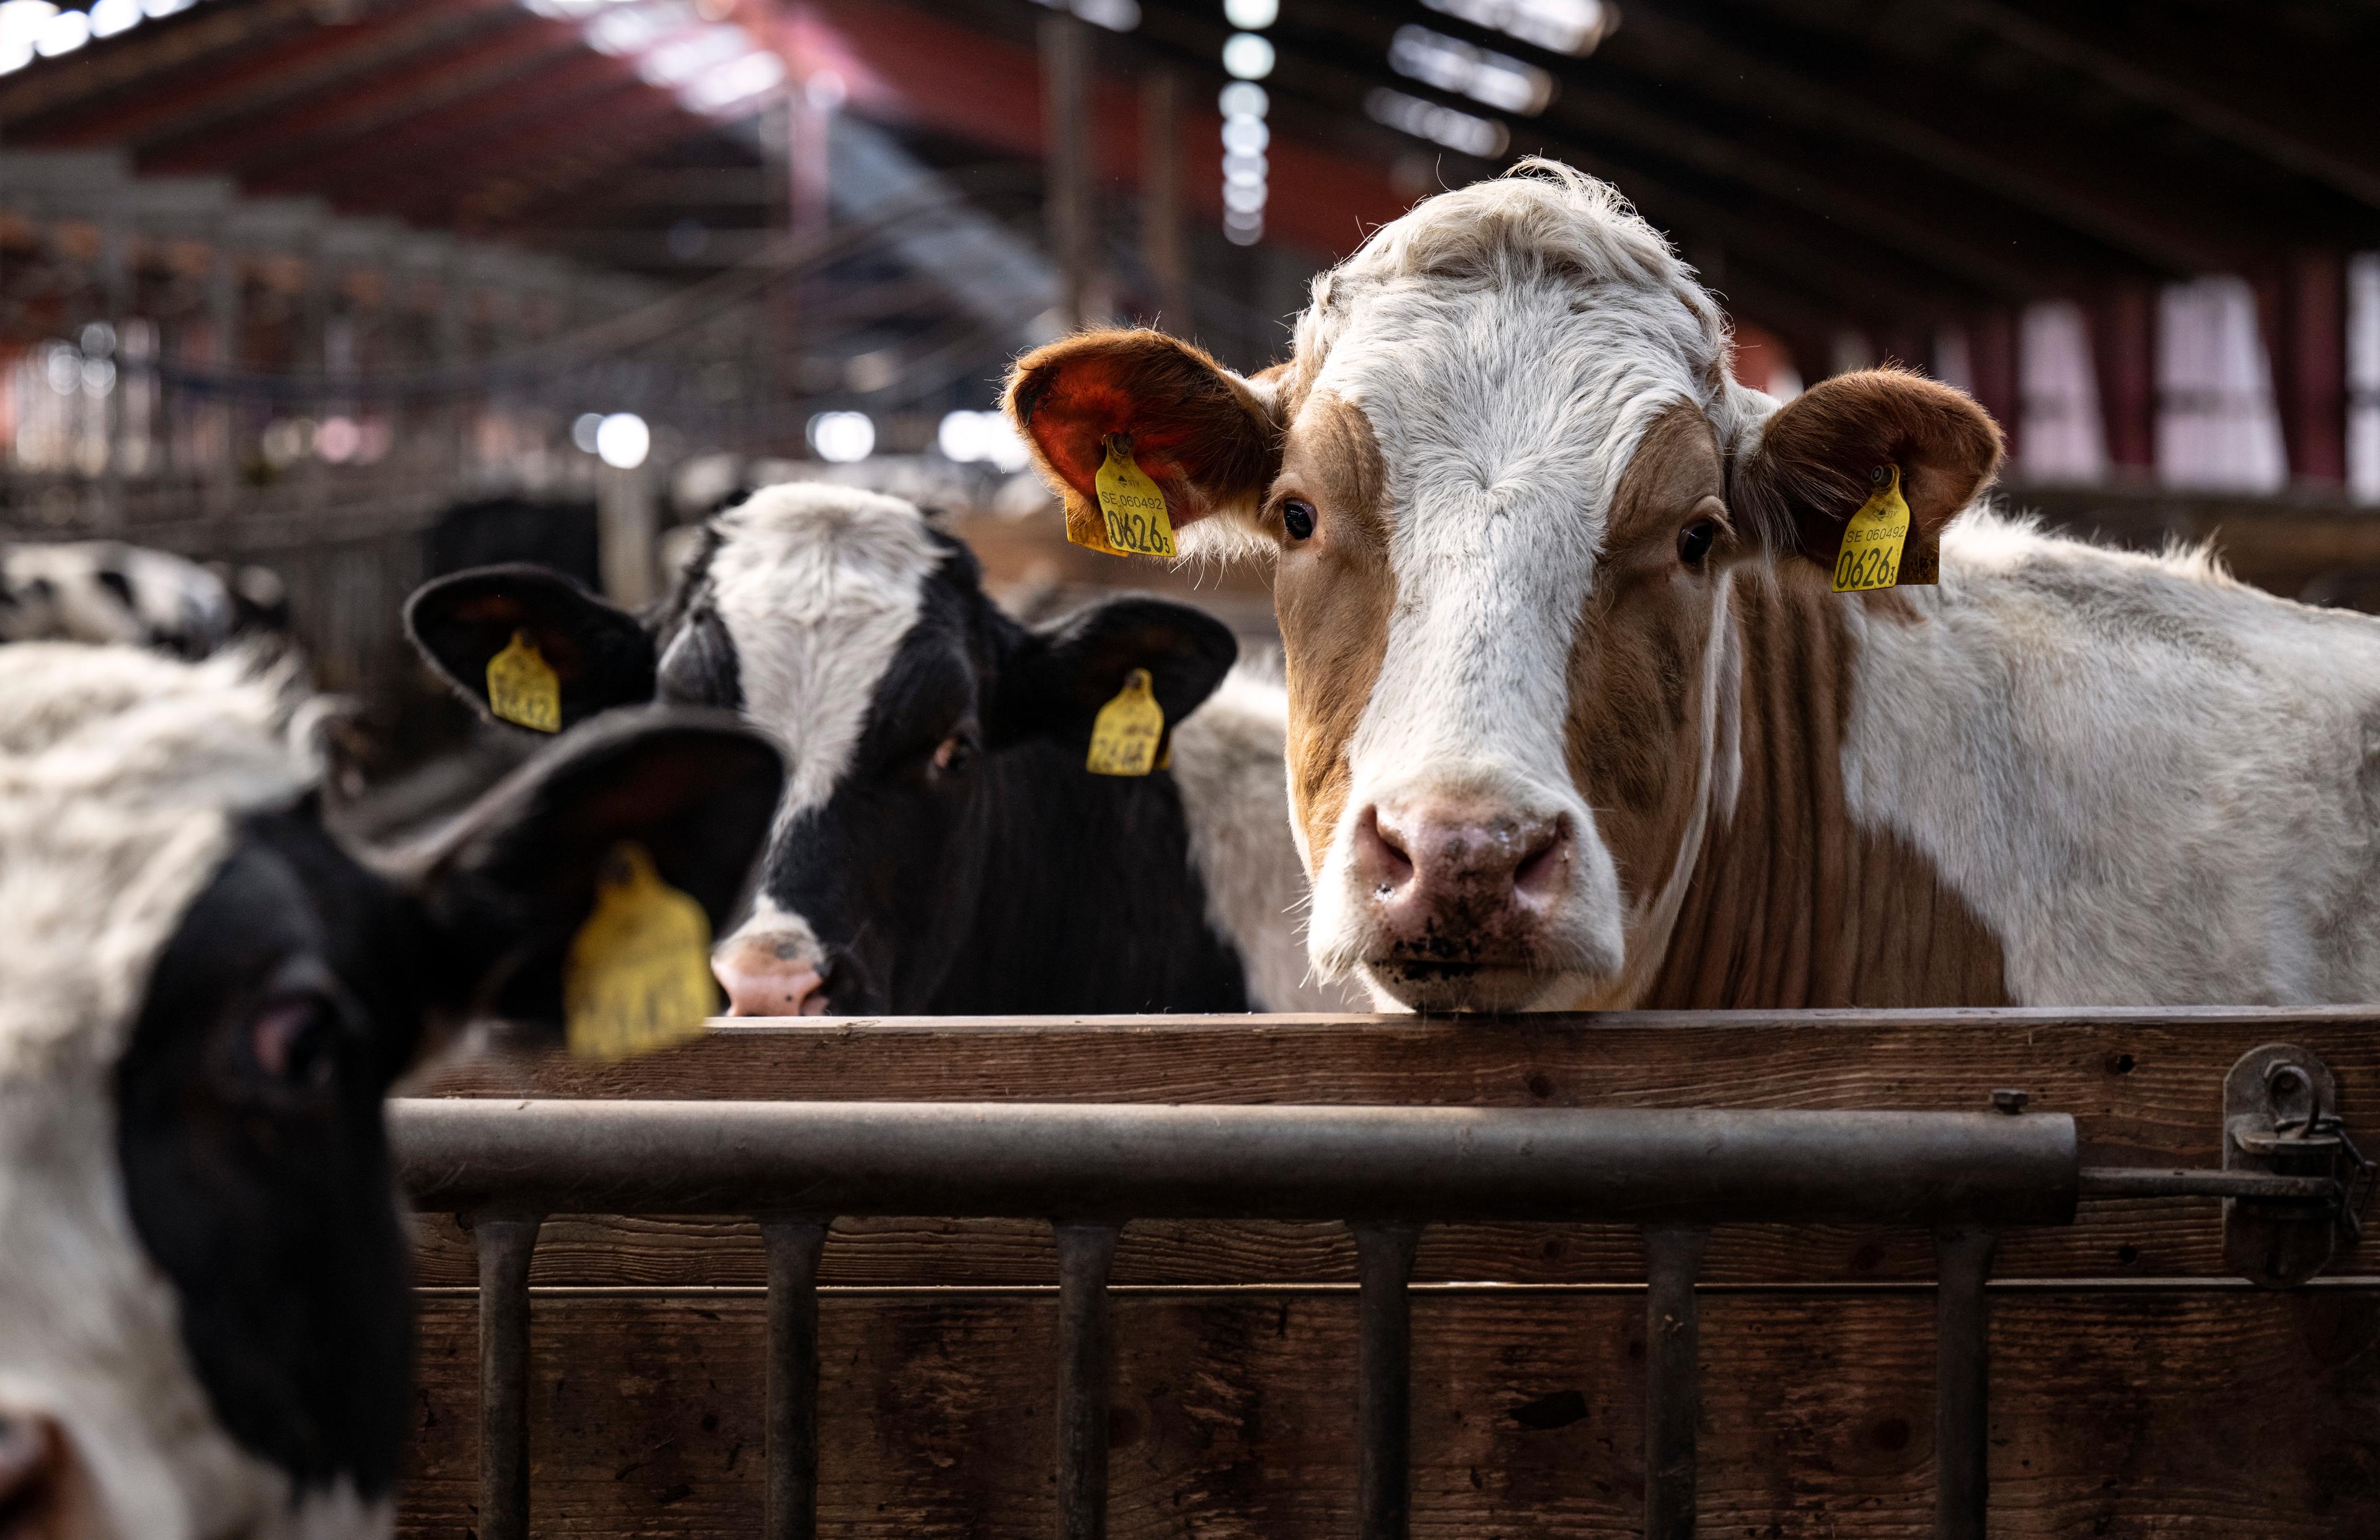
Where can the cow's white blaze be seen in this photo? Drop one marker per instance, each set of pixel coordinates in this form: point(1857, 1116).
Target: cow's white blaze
point(818, 586)
point(1505, 414)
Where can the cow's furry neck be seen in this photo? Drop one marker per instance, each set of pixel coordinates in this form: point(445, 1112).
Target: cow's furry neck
point(2069, 775)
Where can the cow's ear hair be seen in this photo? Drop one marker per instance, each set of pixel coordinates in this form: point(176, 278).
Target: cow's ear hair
point(1210, 439)
point(1055, 682)
point(600, 655)
point(506, 887)
point(1812, 468)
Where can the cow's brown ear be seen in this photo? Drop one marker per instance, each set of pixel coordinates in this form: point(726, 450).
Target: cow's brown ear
point(1207, 439)
point(1812, 467)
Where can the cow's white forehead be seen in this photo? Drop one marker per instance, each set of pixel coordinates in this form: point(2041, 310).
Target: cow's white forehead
point(121, 772)
point(817, 584)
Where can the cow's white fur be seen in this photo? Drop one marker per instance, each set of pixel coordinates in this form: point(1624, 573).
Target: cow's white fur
point(1228, 763)
point(817, 584)
point(1505, 409)
point(120, 775)
point(2152, 783)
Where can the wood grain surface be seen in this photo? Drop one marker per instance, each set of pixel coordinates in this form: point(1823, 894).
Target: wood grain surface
point(2135, 1391)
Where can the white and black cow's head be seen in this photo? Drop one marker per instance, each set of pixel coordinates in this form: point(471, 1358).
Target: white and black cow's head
point(1507, 481)
point(939, 835)
point(204, 998)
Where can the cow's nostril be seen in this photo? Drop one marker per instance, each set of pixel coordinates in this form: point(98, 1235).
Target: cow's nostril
point(30, 1450)
point(1546, 854)
point(1382, 854)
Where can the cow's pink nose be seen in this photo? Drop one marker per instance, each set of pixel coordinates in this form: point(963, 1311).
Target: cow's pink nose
point(1455, 884)
point(767, 975)
point(32, 1457)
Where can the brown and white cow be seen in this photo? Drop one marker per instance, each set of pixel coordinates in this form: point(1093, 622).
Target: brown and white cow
point(1576, 719)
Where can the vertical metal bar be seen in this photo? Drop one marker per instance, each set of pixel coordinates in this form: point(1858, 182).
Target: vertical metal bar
point(505, 1242)
point(793, 1248)
point(1065, 87)
point(1384, 1261)
point(1962, 1398)
point(1673, 1386)
point(1085, 1332)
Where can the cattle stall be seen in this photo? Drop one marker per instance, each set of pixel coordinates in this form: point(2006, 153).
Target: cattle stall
point(1887, 1273)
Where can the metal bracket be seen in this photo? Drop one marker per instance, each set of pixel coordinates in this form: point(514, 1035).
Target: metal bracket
point(2280, 1118)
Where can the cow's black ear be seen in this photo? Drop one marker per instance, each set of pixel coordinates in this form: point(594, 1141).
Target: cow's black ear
point(1061, 675)
point(599, 654)
point(507, 887)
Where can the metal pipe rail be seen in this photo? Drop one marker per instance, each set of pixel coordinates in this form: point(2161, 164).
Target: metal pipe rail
point(1386, 1170)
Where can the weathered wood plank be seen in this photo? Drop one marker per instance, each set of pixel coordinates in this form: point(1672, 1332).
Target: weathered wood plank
point(2165, 1414)
point(2163, 1238)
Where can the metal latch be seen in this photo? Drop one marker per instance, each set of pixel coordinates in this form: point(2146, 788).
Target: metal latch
point(2280, 1118)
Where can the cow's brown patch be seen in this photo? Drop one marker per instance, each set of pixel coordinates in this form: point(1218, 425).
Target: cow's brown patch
point(1332, 593)
point(1789, 903)
point(1636, 661)
point(1792, 904)
point(1194, 426)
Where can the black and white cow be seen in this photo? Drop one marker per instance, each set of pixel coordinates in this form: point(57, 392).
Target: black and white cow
point(942, 848)
point(104, 591)
point(204, 1325)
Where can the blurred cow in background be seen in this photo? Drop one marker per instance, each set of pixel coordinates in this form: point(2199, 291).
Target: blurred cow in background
point(204, 1330)
point(104, 591)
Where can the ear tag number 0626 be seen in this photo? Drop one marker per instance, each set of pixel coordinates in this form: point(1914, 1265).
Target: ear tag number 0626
point(1131, 505)
point(1124, 738)
point(522, 687)
point(1873, 538)
point(639, 974)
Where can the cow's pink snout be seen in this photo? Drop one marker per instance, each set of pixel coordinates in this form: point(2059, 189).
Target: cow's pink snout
point(1446, 883)
point(767, 975)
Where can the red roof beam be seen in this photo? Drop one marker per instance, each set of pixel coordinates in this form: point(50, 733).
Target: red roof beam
point(485, 57)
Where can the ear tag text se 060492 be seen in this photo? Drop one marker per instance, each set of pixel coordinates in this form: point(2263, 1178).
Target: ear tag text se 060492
point(522, 687)
point(1134, 521)
point(638, 975)
point(1874, 537)
point(1124, 737)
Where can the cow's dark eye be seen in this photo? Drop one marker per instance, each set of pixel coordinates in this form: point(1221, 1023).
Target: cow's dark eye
point(1694, 540)
point(292, 1040)
point(1298, 517)
point(955, 755)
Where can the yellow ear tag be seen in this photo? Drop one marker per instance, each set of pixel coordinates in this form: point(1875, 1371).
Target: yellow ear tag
point(1124, 739)
point(522, 687)
point(1132, 507)
point(1872, 540)
point(639, 977)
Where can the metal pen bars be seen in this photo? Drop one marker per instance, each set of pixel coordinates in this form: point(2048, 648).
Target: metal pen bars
point(1385, 1170)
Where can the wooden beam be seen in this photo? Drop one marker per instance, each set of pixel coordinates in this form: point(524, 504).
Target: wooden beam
point(142, 58)
point(2123, 352)
point(303, 60)
point(492, 57)
point(1992, 353)
point(1161, 197)
point(2202, 110)
point(2302, 309)
point(366, 169)
point(1689, 58)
